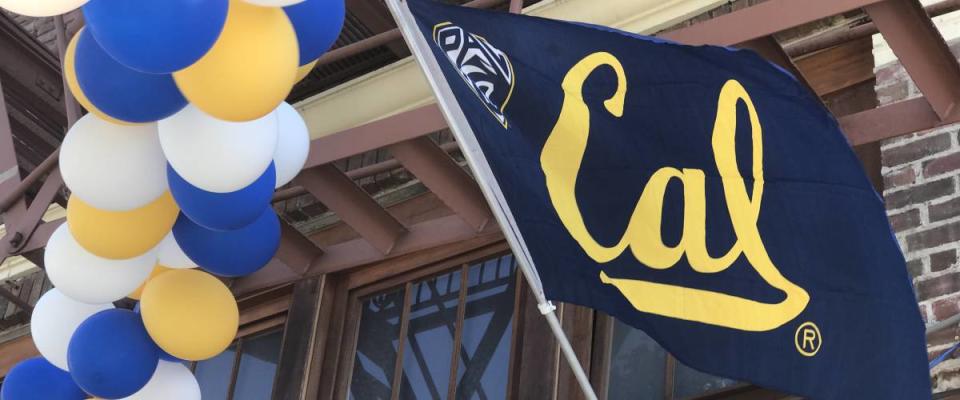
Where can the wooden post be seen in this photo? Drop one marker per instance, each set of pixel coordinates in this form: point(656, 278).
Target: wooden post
point(298, 340)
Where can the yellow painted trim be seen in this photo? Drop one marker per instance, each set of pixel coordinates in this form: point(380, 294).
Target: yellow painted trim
point(401, 87)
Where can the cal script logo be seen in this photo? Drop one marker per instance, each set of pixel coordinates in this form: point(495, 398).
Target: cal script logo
point(561, 158)
point(486, 69)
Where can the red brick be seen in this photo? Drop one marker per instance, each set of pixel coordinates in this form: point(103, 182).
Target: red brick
point(888, 73)
point(916, 150)
point(894, 92)
point(919, 193)
point(939, 286)
point(943, 336)
point(941, 165)
point(934, 237)
point(903, 177)
point(946, 308)
point(905, 220)
point(945, 210)
point(915, 267)
point(943, 260)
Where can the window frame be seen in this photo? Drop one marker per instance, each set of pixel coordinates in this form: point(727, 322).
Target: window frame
point(602, 357)
point(262, 313)
point(406, 280)
point(238, 356)
point(329, 376)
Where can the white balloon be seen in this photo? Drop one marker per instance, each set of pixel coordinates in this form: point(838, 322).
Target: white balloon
point(273, 3)
point(171, 381)
point(41, 8)
point(54, 319)
point(170, 255)
point(113, 167)
point(215, 155)
point(90, 279)
point(293, 144)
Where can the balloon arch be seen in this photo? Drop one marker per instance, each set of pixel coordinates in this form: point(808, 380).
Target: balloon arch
point(171, 176)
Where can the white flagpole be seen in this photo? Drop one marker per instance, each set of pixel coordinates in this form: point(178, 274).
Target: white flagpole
point(484, 176)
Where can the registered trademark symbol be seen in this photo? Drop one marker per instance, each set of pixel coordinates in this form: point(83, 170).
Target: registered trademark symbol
point(808, 339)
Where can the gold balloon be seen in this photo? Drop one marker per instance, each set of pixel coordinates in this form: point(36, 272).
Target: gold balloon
point(304, 70)
point(157, 270)
point(250, 69)
point(190, 314)
point(120, 235)
point(70, 74)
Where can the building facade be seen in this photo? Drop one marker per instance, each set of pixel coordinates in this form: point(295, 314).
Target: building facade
point(394, 282)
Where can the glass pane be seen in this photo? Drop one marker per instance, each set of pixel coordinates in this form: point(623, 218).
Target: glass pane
point(376, 346)
point(430, 336)
point(637, 366)
point(487, 330)
point(690, 382)
point(214, 375)
point(258, 367)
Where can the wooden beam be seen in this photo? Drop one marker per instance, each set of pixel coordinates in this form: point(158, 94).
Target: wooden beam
point(376, 134)
point(28, 63)
point(39, 237)
point(375, 16)
point(889, 121)
point(383, 38)
point(296, 251)
point(577, 323)
point(341, 195)
point(866, 30)
point(832, 70)
point(397, 379)
point(768, 48)
point(16, 350)
point(13, 205)
point(432, 234)
point(921, 50)
point(445, 178)
point(298, 339)
point(761, 20)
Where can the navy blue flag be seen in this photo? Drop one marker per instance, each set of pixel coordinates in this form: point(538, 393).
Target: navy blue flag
point(701, 194)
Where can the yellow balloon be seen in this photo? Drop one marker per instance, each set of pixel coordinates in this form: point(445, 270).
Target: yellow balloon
point(157, 270)
point(70, 73)
point(121, 234)
point(189, 314)
point(250, 69)
point(304, 70)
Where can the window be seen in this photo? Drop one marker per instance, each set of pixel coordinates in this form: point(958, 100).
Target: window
point(245, 371)
point(641, 369)
point(431, 339)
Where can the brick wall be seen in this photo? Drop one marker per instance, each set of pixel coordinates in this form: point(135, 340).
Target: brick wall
point(921, 176)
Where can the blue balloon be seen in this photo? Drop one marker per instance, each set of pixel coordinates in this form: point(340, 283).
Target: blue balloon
point(223, 211)
point(156, 36)
point(233, 253)
point(121, 92)
point(111, 355)
point(318, 24)
point(37, 379)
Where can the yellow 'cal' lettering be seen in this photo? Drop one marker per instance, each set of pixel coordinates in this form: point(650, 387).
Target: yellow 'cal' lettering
point(561, 159)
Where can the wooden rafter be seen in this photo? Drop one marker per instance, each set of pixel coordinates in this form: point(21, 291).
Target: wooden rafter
point(921, 50)
point(340, 194)
point(445, 178)
point(376, 17)
point(296, 251)
point(761, 20)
